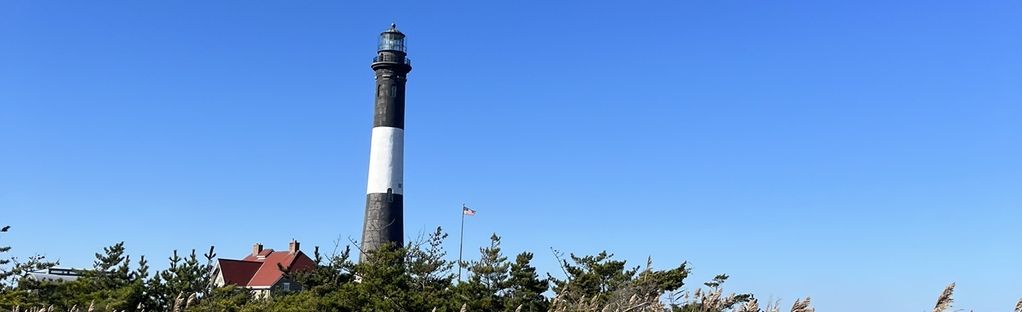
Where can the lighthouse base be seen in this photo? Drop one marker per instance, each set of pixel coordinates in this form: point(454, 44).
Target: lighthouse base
point(384, 221)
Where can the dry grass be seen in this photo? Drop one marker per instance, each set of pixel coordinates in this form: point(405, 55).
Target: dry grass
point(750, 306)
point(945, 299)
point(635, 303)
point(802, 306)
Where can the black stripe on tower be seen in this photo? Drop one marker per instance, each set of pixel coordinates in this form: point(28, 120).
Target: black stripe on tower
point(390, 100)
point(384, 222)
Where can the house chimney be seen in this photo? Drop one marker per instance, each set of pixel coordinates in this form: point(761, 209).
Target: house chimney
point(256, 249)
point(293, 247)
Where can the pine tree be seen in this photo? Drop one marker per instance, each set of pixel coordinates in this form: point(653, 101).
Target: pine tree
point(525, 288)
point(185, 277)
point(655, 282)
point(383, 285)
point(206, 273)
point(168, 284)
point(142, 272)
point(140, 282)
point(429, 272)
point(109, 285)
point(487, 281)
point(123, 270)
point(592, 277)
point(110, 269)
point(4, 273)
point(111, 281)
point(330, 274)
point(492, 268)
point(111, 257)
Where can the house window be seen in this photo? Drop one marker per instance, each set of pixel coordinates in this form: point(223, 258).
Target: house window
point(285, 286)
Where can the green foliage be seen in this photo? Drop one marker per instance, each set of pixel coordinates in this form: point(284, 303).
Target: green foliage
point(415, 277)
point(109, 285)
point(184, 276)
point(112, 284)
point(592, 277)
point(491, 270)
point(294, 302)
point(652, 282)
point(226, 299)
point(337, 271)
point(383, 283)
point(429, 272)
point(525, 288)
point(488, 279)
point(112, 256)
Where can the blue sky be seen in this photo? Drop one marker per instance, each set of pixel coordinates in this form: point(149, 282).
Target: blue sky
point(864, 153)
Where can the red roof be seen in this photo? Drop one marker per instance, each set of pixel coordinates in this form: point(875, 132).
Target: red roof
point(238, 272)
point(263, 270)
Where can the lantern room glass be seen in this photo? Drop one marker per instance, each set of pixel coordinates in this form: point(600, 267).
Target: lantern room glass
point(392, 41)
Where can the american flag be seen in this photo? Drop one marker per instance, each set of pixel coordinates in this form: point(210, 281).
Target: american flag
point(468, 212)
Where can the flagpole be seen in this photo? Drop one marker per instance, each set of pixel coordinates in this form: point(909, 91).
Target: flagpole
point(461, 239)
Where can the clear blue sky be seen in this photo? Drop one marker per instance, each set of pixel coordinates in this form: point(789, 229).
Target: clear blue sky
point(864, 153)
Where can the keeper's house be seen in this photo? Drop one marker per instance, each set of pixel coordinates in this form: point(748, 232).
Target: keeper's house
point(264, 271)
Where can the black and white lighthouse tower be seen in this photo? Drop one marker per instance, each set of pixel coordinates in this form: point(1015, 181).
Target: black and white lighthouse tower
point(384, 216)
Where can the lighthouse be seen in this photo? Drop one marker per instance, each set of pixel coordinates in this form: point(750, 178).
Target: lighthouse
point(384, 213)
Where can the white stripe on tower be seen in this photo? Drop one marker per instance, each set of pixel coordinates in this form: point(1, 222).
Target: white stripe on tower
point(386, 161)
